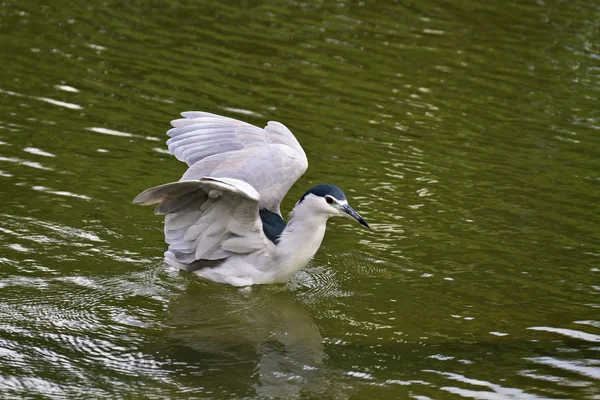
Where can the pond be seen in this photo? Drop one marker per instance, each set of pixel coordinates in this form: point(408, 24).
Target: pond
point(466, 133)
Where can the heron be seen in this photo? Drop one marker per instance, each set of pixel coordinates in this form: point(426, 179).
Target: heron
point(222, 218)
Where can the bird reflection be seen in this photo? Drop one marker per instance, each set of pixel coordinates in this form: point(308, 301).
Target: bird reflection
point(259, 342)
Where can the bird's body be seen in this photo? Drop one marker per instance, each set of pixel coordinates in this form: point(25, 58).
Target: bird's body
point(222, 219)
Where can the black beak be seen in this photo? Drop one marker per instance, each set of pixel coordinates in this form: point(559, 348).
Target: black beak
point(353, 214)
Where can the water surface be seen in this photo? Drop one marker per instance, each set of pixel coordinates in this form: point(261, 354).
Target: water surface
point(466, 133)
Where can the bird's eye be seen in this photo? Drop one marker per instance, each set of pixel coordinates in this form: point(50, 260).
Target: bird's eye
point(329, 199)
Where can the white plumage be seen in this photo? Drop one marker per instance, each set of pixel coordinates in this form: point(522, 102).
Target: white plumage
point(212, 221)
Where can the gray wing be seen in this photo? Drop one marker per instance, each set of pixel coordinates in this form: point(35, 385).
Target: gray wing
point(208, 219)
point(271, 160)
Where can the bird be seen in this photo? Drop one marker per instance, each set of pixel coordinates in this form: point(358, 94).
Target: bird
point(222, 218)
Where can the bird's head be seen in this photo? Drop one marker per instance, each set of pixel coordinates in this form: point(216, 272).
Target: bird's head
point(331, 201)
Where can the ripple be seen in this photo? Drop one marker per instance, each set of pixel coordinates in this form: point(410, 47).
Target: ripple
point(581, 367)
point(321, 283)
point(23, 281)
point(595, 324)
point(554, 379)
point(57, 324)
point(60, 103)
point(161, 150)
point(67, 88)
point(44, 99)
point(243, 112)
point(110, 132)
point(32, 164)
point(360, 375)
point(66, 231)
point(20, 248)
point(38, 152)
point(96, 47)
point(60, 192)
point(498, 391)
point(572, 333)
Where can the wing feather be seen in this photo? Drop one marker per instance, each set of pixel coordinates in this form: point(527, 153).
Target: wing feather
point(204, 214)
point(235, 169)
point(209, 240)
point(181, 219)
point(174, 204)
point(199, 129)
point(270, 159)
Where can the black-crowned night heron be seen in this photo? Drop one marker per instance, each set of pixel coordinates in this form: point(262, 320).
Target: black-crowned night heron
point(222, 218)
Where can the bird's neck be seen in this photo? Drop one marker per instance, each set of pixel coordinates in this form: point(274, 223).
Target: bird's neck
point(300, 240)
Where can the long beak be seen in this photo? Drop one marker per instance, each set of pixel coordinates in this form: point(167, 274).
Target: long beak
point(353, 214)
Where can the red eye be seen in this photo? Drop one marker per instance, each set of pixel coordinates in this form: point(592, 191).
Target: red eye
point(329, 199)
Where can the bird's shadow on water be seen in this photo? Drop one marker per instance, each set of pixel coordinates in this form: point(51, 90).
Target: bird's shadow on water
point(242, 342)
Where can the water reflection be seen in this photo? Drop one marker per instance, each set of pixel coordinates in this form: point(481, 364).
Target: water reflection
point(240, 339)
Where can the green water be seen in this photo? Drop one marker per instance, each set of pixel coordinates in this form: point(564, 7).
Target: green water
point(465, 132)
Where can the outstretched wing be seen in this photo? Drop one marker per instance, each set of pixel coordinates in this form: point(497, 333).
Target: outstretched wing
point(207, 220)
point(271, 160)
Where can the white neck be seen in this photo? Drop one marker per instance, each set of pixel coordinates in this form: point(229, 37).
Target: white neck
point(300, 240)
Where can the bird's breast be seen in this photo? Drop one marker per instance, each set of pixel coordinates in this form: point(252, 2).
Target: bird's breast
point(298, 245)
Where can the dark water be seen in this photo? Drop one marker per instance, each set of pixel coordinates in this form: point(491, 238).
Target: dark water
point(466, 132)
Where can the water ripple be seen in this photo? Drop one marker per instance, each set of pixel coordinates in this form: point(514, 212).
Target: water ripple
point(572, 333)
point(497, 391)
point(581, 367)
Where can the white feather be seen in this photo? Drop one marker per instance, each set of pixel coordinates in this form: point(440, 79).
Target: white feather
point(269, 159)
